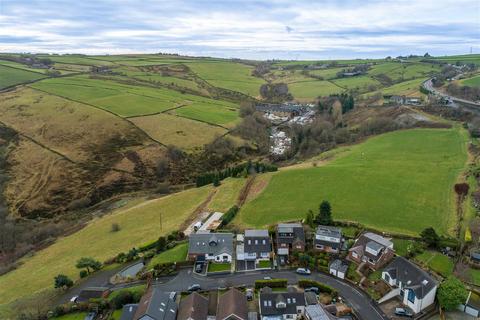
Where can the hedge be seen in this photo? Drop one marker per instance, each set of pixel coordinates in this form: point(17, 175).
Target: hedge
point(229, 215)
point(274, 283)
point(306, 283)
point(237, 171)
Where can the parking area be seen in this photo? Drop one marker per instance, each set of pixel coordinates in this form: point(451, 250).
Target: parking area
point(388, 307)
point(245, 265)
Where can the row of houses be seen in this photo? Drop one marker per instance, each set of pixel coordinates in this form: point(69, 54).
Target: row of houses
point(231, 305)
point(409, 283)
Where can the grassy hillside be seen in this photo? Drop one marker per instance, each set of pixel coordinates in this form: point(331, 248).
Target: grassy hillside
point(11, 76)
point(138, 224)
point(400, 182)
point(471, 82)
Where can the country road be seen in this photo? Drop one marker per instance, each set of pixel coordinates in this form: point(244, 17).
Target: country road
point(364, 306)
point(428, 85)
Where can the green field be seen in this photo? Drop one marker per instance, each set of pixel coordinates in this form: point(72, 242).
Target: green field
point(138, 224)
point(386, 183)
point(227, 194)
point(177, 253)
point(12, 76)
point(228, 75)
point(361, 83)
point(124, 99)
point(471, 82)
point(467, 58)
point(214, 113)
point(309, 90)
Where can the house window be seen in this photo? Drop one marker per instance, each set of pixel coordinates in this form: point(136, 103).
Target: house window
point(355, 255)
point(411, 296)
point(264, 242)
point(249, 241)
point(256, 241)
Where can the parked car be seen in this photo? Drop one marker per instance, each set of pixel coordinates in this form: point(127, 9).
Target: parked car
point(194, 287)
point(74, 299)
point(249, 294)
point(198, 268)
point(303, 271)
point(312, 289)
point(402, 312)
point(267, 278)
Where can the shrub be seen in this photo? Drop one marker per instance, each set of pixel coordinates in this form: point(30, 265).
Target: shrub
point(274, 283)
point(83, 273)
point(115, 227)
point(306, 283)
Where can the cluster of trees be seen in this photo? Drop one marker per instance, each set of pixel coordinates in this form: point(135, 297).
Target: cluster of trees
point(323, 217)
point(243, 170)
point(275, 92)
point(464, 92)
point(253, 128)
point(261, 69)
point(327, 104)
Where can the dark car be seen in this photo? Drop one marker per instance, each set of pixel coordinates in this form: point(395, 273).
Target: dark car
point(402, 312)
point(194, 287)
point(198, 268)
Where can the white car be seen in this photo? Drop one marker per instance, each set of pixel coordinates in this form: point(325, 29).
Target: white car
point(303, 271)
point(74, 299)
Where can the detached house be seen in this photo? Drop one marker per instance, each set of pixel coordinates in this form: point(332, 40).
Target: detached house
point(256, 246)
point(193, 307)
point(372, 249)
point(232, 305)
point(216, 247)
point(415, 287)
point(281, 305)
point(290, 238)
point(328, 239)
point(156, 305)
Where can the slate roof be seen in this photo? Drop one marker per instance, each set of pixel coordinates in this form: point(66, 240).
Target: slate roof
point(373, 241)
point(339, 265)
point(379, 239)
point(316, 312)
point(251, 236)
point(291, 228)
point(210, 243)
point(194, 306)
point(232, 303)
point(411, 276)
point(128, 311)
point(157, 304)
point(329, 231)
point(269, 300)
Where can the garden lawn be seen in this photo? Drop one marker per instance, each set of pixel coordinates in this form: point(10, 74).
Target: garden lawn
point(219, 267)
point(264, 264)
point(12, 76)
point(138, 224)
point(177, 253)
point(116, 315)
point(398, 182)
point(437, 262)
point(401, 246)
point(72, 316)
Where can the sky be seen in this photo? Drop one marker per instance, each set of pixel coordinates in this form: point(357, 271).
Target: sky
point(246, 29)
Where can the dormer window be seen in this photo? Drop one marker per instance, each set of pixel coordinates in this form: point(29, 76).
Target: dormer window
point(281, 305)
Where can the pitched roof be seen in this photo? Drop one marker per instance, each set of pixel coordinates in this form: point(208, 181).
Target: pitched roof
point(291, 228)
point(339, 265)
point(268, 302)
point(157, 304)
point(329, 231)
point(411, 276)
point(316, 312)
point(128, 311)
point(232, 302)
point(194, 306)
point(379, 239)
point(210, 243)
point(256, 233)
